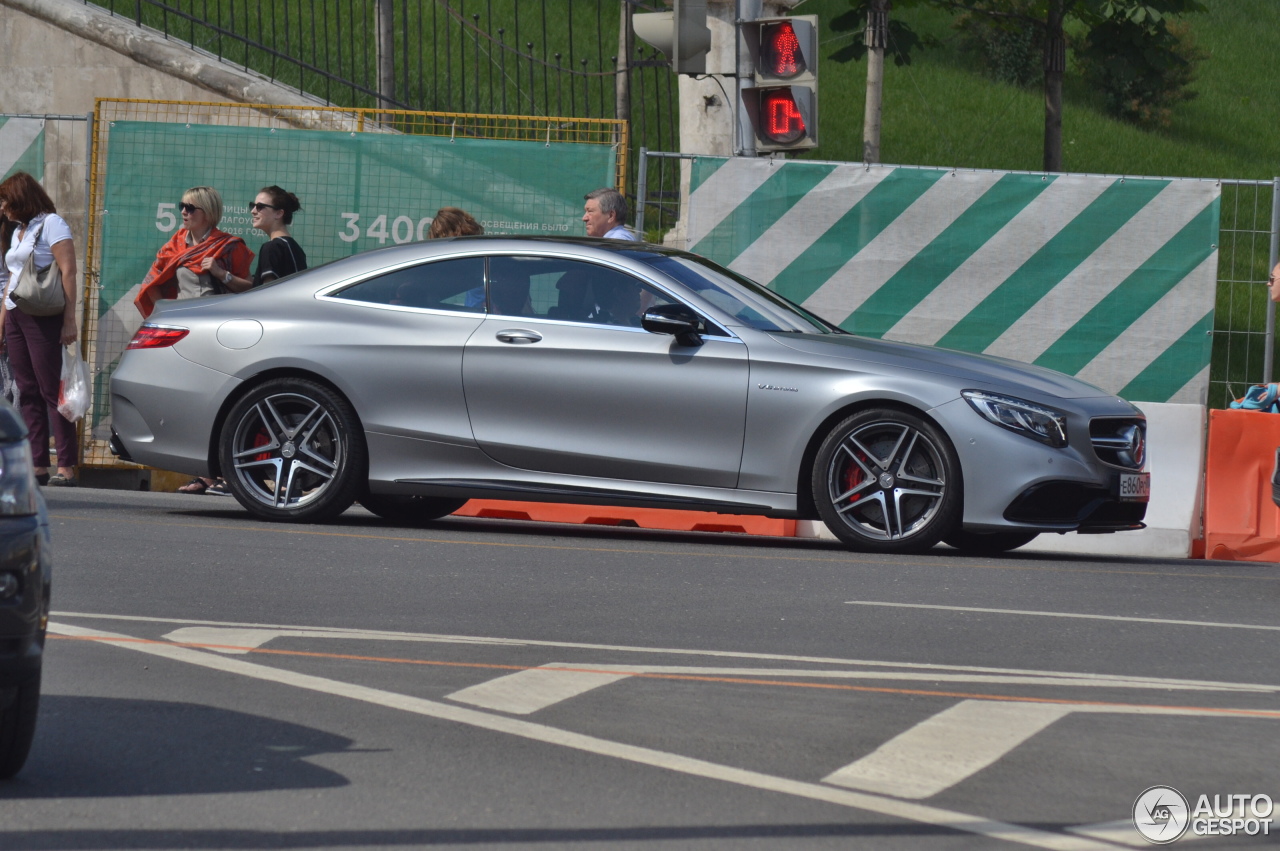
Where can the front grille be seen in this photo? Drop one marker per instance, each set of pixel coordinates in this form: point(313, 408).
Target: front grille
point(1087, 508)
point(1120, 442)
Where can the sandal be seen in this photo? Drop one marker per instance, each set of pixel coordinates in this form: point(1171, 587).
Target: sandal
point(196, 486)
point(219, 488)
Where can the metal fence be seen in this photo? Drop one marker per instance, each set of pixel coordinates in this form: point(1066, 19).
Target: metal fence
point(107, 325)
point(527, 57)
point(1248, 245)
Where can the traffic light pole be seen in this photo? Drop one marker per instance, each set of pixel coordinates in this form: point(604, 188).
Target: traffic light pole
point(744, 137)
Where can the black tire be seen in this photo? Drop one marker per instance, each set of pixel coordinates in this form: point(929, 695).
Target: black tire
point(292, 450)
point(887, 481)
point(988, 543)
point(410, 510)
point(18, 726)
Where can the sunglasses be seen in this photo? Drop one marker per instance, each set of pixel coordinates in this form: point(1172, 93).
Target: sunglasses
point(256, 206)
point(189, 209)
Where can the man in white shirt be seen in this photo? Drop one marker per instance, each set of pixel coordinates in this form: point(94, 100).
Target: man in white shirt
point(604, 214)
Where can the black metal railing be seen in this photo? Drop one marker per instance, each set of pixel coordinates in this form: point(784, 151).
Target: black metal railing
point(506, 57)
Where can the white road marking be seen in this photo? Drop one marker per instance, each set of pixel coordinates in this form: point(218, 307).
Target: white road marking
point(602, 747)
point(1122, 832)
point(941, 751)
point(340, 632)
point(528, 691)
point(239, 640)
point(1163, 621)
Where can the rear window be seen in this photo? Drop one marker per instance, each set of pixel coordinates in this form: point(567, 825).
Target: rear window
point(456, 285)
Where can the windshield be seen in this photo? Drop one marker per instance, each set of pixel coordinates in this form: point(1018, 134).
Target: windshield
point(750, 303)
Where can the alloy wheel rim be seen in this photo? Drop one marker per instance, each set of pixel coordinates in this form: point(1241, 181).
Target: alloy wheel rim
point(886, 481)
point(286, 451)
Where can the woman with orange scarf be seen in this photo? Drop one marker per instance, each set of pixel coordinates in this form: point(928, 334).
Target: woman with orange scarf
point(183, 266)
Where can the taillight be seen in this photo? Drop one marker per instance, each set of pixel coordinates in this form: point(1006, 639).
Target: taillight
point(156, 337)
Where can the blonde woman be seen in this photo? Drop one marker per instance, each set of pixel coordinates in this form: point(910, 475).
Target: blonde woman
point(184, 265)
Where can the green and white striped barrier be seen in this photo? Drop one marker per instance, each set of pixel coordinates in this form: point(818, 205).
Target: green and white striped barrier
point(1108, 279)
point(22, 146)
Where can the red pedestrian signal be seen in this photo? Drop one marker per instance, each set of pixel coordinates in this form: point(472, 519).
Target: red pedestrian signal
point(782, 103)
point(780, 118)
point(780, 54)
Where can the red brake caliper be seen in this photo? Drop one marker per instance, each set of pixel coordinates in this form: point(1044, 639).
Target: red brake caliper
point(261, 439)
point(853, 475)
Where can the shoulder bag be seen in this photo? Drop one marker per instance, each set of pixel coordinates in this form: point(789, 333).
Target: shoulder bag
point(39, 291)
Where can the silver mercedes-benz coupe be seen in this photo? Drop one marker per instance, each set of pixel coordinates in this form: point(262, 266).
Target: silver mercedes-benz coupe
point(592, 371)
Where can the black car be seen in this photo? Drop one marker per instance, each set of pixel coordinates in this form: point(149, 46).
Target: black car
point(26, 570)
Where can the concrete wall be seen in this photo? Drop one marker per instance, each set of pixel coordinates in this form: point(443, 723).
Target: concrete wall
point(58, 56)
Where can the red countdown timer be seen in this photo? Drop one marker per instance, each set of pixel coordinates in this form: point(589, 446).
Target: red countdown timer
point(780, 118)
point(780, 54)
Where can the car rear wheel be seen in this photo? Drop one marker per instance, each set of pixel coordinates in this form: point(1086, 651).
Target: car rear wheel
point(887, 481)
point(18, 725)
point(410, 510)
point(988, 543)
point(292, 450)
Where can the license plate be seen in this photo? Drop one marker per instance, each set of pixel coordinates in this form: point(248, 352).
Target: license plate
point(1135, 487)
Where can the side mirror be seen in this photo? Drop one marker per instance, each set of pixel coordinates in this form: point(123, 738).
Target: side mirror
point(676, 319)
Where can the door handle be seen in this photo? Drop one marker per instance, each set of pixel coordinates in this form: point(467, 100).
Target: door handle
point(518, 336)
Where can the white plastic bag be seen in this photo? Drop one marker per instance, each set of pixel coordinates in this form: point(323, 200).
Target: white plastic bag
point(8, 384)
point(73, 392)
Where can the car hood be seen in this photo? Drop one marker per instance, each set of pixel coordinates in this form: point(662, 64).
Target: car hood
point(980, 371)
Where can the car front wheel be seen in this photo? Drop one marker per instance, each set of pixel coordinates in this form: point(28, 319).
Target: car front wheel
point(888, 481)
point(292, 450)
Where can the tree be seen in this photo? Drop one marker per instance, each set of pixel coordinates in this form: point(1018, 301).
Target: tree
point(1137, 30)
point(882, 35)
point(1145, 24)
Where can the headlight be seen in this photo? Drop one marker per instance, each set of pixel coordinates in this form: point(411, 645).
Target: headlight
point(17, 482)
point(1026, 418)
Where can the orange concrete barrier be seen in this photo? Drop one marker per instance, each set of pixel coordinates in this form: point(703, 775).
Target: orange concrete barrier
point(1241, 523)
point(644, 518)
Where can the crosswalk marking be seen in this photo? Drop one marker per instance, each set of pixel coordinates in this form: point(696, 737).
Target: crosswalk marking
point(528, 691)
point(635, 754)
point(947, 748)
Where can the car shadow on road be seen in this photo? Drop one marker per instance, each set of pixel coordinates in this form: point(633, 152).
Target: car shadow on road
point(112, 747)
point(605, 837)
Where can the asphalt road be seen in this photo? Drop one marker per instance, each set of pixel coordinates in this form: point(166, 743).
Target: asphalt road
point(217, 682)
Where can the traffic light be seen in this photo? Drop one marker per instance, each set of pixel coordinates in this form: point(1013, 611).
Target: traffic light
point(782, 106)
point(681, 34)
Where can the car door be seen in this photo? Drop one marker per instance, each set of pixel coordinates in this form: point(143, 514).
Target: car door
point(402, 334)
point(560, 378)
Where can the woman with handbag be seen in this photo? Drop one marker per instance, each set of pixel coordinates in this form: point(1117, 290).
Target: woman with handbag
point(39, 250)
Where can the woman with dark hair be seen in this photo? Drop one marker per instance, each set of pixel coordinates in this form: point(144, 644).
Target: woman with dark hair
point(34, 343)
point(280, 256)
point(453, 221)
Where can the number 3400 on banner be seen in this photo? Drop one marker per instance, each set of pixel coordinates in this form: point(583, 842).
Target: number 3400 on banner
point(399, 230)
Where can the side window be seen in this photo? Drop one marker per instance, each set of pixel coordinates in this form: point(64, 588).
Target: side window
point(444, 285)
point(570, 290)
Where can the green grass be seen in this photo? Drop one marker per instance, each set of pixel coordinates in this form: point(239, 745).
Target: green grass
point(942, 111)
